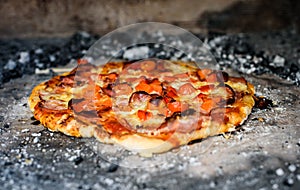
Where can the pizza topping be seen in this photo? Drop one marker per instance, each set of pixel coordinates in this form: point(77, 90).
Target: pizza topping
point(212, 77)
point(207, 105)
point(121, 104)
point(217, 76)
point(186, 89)
point(79, 105)
point(107, 90)
point(230, 94)
point(144, 86)
point(138, 98)
point(181, 76)
point(149, 86)
point(188, 112)
point(218, 114)
point(111, 77)
point(122, 89)
point(73, 102)
point(92, 115)
point(148, 65)
point(114, 127)
point(144, 115)
point(169, 94)
point(201, 97)
point(104, 104)
point(202, 74)
point(169, 78)
point(206, 88)
point(183, 122)
point(156, 86)
point(67, 80)
point(82, 61)
point(54, 104)
point(157, 103)
point(174, 107)
point(177, 106)
point(42, 110)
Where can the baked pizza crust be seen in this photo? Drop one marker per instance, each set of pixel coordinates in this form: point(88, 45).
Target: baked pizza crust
point(64, 118)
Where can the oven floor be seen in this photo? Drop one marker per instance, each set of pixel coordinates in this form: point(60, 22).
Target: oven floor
point(264, 153)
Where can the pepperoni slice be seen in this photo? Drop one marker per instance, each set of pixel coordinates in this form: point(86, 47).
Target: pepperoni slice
point(122, 89)
point(139, 97)
point(186, 89)
point(217, 76)
point(218, 114)
point(157, 103)
point(212, 78)
point(169, 78)
point(77, 105)
point(156, 100)
point(181, 75)
point(148, 65)
point(107, 90)
point(67, 80)
point(160, 66)
point(133, 79)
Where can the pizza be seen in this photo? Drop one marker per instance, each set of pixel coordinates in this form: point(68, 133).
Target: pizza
point(147, 106)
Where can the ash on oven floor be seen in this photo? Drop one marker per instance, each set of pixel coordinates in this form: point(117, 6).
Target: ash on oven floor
point(276, 53)
point(262, 154)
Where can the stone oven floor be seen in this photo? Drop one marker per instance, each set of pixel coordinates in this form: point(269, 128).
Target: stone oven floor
point(264, 153)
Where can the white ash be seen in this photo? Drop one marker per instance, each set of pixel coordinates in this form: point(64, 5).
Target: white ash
point(136, 53)
point(52, 58)
point(71, 158)
point(39, 51)
point(279, 172)
point(25, 130)
point(10, 65)
point(292, 168)
point(275, 186)
point(278, 61)
point(290, 181)
point(36, 134)
point(36, 140)
point(24, 57)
